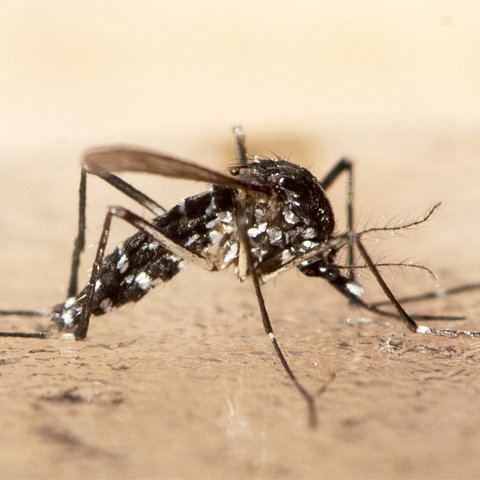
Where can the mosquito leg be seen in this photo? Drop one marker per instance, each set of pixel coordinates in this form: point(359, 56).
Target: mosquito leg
point(423, 296)
point(411, 324)
point(349, 290)
point(130, 191)
point(24, 334)
point(144, 226)
point(344, 164)
point(24, 313)
point(312, 413)
point(309, 398)
point(79, 243)
point(468, 287)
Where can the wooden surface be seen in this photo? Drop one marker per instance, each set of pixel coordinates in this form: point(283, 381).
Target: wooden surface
point(184, 384)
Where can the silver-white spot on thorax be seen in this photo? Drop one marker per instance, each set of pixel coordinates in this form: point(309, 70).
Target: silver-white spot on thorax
point(230, 255)
point(214, 236)
point(308, 244)
point(220, 226)
point(290, 217)
point(260, 213)
point(259, 252)
point(275, 235)
point(255, 231)
point(309, 232)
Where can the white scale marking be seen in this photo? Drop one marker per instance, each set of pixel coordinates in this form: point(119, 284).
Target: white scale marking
point(122, 264)
point(143, 281)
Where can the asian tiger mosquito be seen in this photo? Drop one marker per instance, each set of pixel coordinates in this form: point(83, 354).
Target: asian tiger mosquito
point(268, 216)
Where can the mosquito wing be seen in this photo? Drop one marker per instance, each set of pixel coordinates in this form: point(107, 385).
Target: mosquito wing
point(121, 158)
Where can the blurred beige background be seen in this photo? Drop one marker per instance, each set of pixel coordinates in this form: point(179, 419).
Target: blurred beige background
point(393, 85)
point(193, 68)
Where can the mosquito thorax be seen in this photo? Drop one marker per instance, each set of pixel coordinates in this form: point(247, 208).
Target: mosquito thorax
point(300, 199)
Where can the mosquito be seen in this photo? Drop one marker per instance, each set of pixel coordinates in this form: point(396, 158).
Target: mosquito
point(267, 216)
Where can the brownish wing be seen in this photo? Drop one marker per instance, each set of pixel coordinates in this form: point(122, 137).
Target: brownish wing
point(119, 158)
